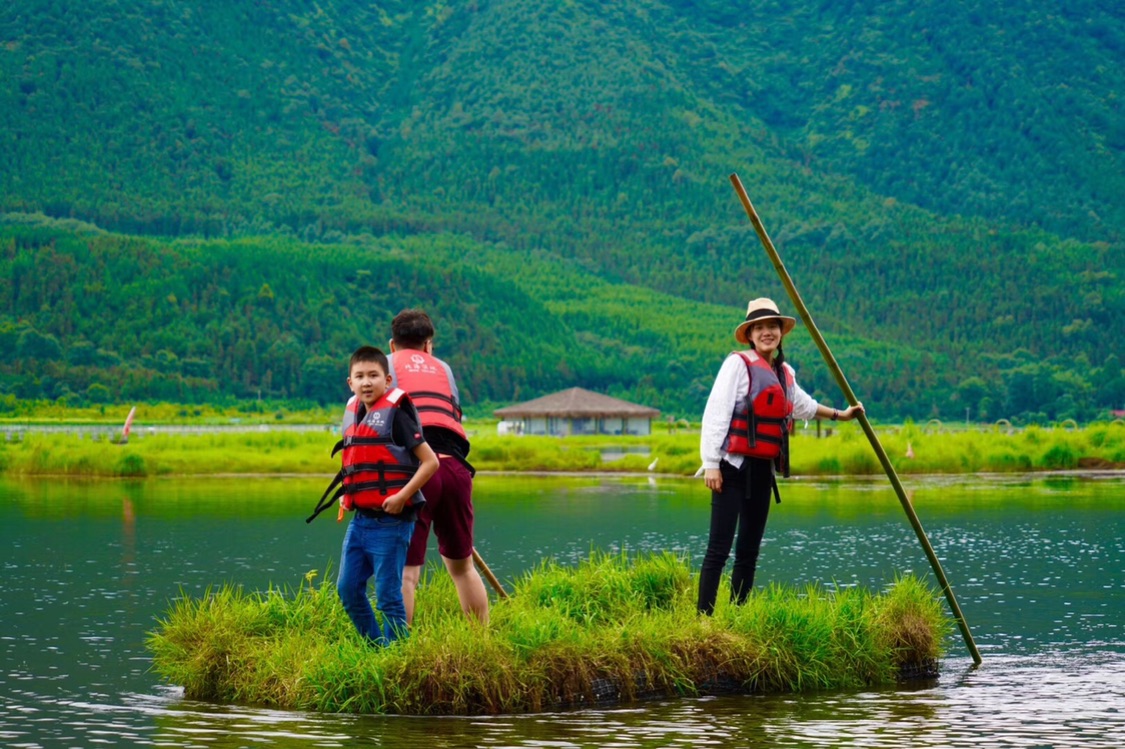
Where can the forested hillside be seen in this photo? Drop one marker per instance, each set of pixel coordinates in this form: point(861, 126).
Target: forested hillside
point(105, 318)
point(943, 181)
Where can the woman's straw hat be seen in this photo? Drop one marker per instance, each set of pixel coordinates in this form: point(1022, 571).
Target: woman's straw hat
point(758, 310)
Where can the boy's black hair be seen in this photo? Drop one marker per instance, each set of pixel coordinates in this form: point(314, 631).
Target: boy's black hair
point(411, 328)
point(366, 354)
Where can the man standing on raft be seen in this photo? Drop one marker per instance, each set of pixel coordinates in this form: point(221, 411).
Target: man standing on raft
point(449, 505)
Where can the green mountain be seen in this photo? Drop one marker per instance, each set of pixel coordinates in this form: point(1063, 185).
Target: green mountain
point(943, 182)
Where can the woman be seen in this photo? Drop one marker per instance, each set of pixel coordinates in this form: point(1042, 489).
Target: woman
point(746, 425)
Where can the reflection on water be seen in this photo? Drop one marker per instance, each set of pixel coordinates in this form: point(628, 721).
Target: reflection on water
point(1070, 700)
point(1036, 566)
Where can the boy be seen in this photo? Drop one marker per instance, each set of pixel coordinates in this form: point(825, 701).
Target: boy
point(386, 462)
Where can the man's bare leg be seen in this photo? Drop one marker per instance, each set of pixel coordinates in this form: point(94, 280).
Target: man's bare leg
point(470, 588)
point(411, 574)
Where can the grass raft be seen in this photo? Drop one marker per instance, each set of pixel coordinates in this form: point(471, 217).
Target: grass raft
point(612, 630)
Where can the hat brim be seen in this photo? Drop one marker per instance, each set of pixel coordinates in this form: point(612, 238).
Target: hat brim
point(742, 332)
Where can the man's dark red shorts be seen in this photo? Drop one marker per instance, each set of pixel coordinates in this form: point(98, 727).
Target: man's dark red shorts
point(449, 510)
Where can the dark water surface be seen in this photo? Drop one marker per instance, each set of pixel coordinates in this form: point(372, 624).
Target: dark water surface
point(1038, 566)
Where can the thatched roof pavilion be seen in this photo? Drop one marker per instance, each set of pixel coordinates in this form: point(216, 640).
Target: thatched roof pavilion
point(578, 411)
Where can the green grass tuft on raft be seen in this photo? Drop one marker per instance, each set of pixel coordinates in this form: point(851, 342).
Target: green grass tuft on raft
point(614, 629)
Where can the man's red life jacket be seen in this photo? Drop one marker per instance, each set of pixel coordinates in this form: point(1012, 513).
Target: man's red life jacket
point(762, 418)
point(430, 383)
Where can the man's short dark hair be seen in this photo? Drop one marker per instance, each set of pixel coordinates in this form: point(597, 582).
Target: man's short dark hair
point(368, 354)
point(411, 328)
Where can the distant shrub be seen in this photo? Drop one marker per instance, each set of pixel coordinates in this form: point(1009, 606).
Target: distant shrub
point(860, 463)
point(130, 464)
point(1060, 457)
point(829, 466)
point(1009, 461)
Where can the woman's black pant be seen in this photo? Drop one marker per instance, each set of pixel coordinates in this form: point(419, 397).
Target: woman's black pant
point(743, 502)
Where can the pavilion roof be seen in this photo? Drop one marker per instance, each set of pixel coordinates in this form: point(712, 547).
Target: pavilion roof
point(576, 403)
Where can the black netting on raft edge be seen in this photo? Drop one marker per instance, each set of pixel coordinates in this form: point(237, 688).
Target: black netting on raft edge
point(608, 691)
point(918, 671)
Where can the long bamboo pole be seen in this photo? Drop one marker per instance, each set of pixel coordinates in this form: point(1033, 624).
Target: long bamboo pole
point(874, 440)
point(488, 575)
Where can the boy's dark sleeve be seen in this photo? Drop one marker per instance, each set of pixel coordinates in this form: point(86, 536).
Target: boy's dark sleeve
point(406, 430)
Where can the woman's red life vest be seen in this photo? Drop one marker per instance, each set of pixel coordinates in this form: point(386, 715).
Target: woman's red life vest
point(430, 384)
point(374, 466)
point(762, 418)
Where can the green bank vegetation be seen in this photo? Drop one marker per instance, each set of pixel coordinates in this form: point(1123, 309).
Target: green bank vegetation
point(610, 630)
point(109, 418)
point(845, 452)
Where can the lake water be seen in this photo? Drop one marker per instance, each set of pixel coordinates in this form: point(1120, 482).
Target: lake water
point(1036, 564)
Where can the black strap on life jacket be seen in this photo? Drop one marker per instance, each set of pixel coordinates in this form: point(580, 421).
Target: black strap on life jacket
point(326, 502)
point(751, 432)
point(783, 456)
point(452, 410)
point(382, 484)
point(353, 440)
point(780, 463)
point(773, 480)
point(786, 423)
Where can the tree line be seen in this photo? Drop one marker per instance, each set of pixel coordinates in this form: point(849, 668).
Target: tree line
point(92, 317)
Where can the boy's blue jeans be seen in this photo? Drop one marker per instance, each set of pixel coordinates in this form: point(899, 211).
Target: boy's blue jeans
point(375, 546)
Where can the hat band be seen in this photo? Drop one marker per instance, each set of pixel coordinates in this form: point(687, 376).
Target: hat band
point(760, 313)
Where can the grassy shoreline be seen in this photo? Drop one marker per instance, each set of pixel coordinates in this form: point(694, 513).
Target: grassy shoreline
point(611, 630)
point(845, 452)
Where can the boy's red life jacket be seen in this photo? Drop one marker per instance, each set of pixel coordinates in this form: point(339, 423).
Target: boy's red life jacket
point(429, 382)
point(374, 467)
point(762, 418)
